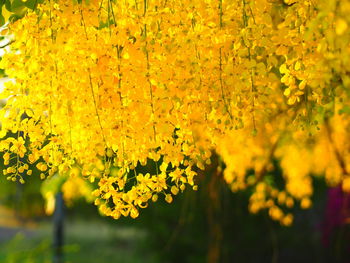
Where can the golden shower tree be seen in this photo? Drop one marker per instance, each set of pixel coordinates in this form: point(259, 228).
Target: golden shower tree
point(107, 86)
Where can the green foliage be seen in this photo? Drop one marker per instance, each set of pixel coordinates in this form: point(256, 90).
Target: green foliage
point(53, 184)
point(11, 10)
point(25, 199)
point(19, 251)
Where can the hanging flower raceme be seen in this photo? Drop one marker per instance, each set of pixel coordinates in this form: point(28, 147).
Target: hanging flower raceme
point(110, 86)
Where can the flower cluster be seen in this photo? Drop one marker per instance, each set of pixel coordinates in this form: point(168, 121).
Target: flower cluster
point(109, 86)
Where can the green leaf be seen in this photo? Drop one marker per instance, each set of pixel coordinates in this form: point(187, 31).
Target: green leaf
point(53, 184)
point(345, 109)
point(31, 4)
point(8, 5)
point(17, 6)
point(14, 17)
point(2, 20)
point(269, 180)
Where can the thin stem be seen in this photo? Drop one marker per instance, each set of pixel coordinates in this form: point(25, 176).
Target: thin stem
point(110, 6)
point(150, 86)
point(7, 44)
point(252, 90)
point(96, 110)
point(144, 7)
point(227, 105)
point(83, 21)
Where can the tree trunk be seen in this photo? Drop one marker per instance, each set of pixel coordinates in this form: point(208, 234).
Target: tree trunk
point(58, 229)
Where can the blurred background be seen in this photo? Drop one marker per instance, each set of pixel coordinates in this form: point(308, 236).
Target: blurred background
point(209, 225)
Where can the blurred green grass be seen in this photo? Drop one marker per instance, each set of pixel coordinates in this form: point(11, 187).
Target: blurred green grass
point(88, 241)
